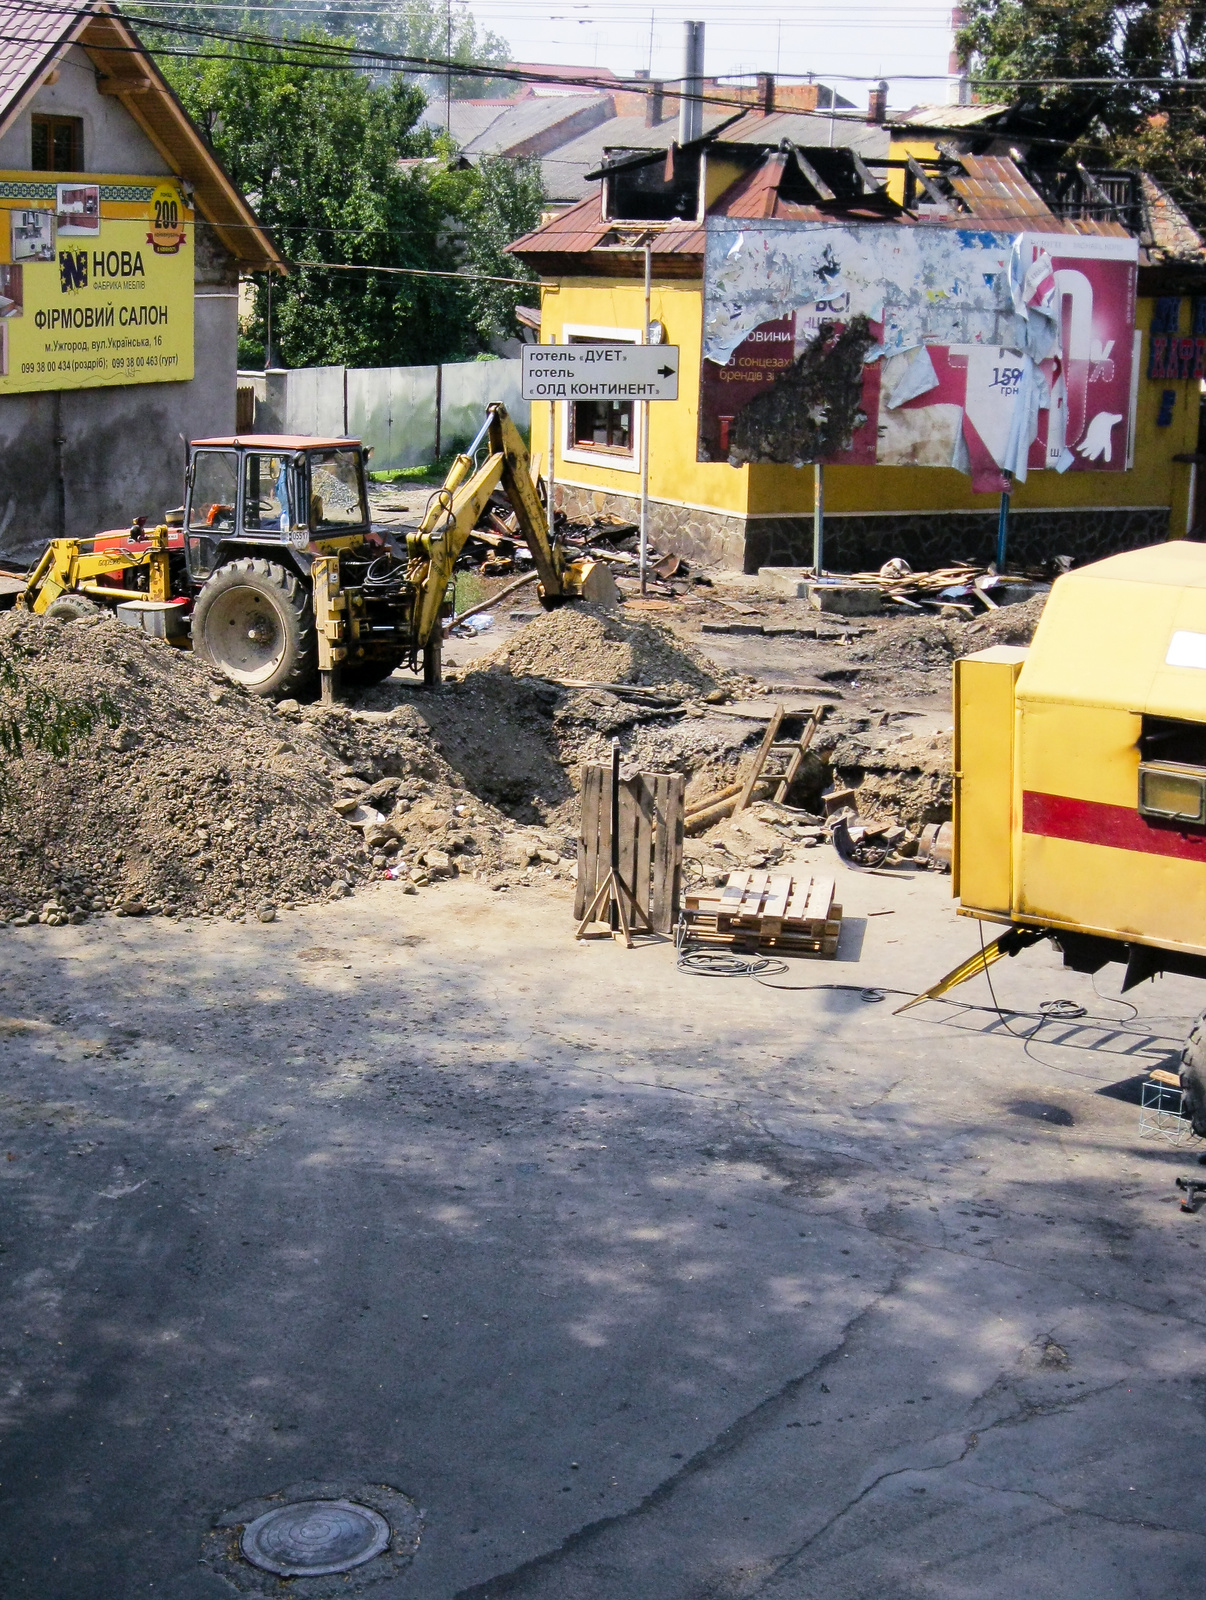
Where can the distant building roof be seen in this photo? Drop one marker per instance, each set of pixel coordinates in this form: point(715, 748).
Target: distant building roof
point(562, 80)
point(36, 37)
point(530, 127)
point(953, 117)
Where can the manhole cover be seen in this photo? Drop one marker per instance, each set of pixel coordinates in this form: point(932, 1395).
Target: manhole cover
point(314, 1537)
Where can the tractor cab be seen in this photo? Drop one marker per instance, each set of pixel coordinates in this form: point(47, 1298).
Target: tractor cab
point(307, 494)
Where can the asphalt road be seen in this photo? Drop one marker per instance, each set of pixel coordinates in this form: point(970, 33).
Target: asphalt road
point(642, 1286)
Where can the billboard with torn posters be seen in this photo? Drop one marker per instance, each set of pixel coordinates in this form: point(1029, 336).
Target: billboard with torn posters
point(911, 345)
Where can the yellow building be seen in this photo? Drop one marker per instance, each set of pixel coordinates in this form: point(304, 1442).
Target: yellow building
point(591, 262)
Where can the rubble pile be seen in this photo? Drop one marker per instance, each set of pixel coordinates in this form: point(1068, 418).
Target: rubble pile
point(191, 797)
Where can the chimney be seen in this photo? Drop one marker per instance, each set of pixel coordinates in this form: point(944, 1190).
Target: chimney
point(654, 103)
point(877, 103)
point(690, 106)
point(959, 88)
point(766, 93)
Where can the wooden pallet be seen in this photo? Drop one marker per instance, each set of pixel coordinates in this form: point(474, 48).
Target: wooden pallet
point(761, 911)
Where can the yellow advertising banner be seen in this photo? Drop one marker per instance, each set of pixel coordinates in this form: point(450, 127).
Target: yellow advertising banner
point(96, 282)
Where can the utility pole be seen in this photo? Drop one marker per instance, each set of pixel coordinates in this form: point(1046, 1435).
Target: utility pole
point(644, 404)
point(448, 72)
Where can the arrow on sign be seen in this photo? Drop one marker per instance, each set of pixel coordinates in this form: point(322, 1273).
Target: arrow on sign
point(665, 372)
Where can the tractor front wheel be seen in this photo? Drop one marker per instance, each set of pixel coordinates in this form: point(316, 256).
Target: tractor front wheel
point(72, 608)
point(254, 621)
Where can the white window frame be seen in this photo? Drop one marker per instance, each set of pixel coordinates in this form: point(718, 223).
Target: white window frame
point(602, 458)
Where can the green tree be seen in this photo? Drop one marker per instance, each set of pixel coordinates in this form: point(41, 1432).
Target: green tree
point(1156, 125)
point(317, 149)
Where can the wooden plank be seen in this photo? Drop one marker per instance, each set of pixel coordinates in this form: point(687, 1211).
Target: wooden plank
point(774, 907)
point(768, 739)
point(643, 790)
point(603, 866)
point(629, 866)
point(820, 898)
point(588, 839)
point(734, 890)
point(676, 806)
point(668, 792)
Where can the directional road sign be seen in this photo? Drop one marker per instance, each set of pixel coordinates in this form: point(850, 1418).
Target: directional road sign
point(600, 372)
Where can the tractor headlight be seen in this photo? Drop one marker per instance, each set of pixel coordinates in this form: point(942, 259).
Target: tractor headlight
point(1171, 792)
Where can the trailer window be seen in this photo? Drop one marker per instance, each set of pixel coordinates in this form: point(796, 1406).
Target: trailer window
point(211, 500)
point(336, 494)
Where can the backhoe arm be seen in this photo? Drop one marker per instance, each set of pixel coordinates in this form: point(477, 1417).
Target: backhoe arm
point(507, 441)
point(453, 514)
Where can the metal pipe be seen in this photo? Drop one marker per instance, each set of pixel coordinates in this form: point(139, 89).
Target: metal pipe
point(645, 428)
point(1002, 530)
point(550, 478)
point(818, 519)
point(690, 105)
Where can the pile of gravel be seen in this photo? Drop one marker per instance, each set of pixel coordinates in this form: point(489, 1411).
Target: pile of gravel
point(591, 644)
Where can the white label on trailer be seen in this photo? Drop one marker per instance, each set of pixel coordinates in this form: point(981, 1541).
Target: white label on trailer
point(600, 372)
point(1187, 650)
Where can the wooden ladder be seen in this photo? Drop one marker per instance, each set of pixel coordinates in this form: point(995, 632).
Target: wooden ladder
point(794, 750)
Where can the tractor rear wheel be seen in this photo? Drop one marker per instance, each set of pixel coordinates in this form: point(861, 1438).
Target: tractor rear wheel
point(72, 608)
point(254, 621)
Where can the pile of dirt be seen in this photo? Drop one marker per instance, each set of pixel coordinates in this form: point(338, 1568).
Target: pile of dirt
point(590, 644)
point(145, 782)
point(927, 645)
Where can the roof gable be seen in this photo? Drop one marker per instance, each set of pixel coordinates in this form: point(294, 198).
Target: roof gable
point(36, 37)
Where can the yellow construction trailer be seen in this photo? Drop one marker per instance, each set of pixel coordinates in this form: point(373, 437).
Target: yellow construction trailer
point(1080, 777)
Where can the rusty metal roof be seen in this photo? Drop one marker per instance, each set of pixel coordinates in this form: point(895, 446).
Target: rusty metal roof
point(992, 188)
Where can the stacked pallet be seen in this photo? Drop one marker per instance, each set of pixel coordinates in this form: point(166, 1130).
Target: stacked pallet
point(759, 911)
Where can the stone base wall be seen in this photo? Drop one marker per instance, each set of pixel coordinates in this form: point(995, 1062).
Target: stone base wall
point(708, 538)
point(863, 543)
point(928, 540)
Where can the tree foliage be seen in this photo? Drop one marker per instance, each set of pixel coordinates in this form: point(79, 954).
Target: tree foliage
point(318, 152)
point(1157, 125)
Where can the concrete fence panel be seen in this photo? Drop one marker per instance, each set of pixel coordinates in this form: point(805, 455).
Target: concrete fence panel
point(409, 415)
point(394, 410)
point(467, 388)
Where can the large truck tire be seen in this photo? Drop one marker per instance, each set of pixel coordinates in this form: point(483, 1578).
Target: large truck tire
point(254, 621)
point(1193, 1076)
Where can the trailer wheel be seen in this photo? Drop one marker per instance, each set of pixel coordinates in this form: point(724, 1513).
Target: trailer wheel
point(72, 608)
point(254, 621)
point(1193, 1076)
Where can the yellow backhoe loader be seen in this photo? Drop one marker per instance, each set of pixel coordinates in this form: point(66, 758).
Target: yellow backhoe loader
point(273, 572)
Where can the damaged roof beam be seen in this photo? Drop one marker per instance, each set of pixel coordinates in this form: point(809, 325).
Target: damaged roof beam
point(807, 171)
point(927, 183)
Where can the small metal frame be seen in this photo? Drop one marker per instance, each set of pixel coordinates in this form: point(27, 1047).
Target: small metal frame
point(1161, 1110)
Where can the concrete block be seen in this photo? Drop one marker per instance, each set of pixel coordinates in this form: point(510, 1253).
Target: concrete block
point(790, 583)
point(845, 599)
